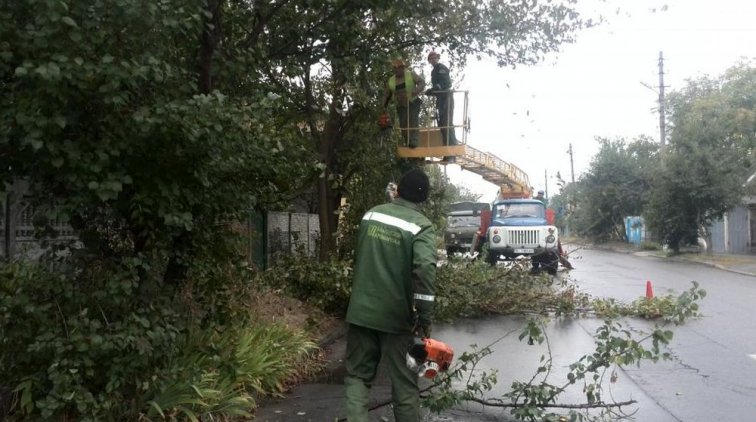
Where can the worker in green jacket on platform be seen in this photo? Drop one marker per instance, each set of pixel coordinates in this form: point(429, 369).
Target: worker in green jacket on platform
point(393, 294)
point(405, 87)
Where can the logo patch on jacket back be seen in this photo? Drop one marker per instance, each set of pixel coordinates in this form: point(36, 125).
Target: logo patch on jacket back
point(377, 232)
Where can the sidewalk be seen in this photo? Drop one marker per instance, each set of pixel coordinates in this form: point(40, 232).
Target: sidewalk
point(322, 400)
point(741, 264)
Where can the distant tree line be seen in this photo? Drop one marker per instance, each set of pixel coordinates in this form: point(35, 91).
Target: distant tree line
point(683, 188)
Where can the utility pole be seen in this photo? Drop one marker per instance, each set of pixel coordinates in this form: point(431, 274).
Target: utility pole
point(662, 102)
point(546, 183)
point(572, 164)
point(662, 123)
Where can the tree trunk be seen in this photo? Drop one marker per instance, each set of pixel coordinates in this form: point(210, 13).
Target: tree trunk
point(328, 144)
point(182, 243)
point(10, 217)
point(208, 42)
point(328, 225)
point(328, 200)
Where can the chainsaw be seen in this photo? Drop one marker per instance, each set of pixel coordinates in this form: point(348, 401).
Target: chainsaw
point(428, 357)
point(383, 121)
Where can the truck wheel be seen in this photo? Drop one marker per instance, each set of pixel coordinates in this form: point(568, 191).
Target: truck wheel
point(492, 258)
point(552, 264)
point(535, 266)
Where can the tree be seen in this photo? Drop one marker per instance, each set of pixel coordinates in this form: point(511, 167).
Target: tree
point(363, 192)
point(709, 157)
point(329, 61)
point(127, 130)
point(613, 188)
point(140, 126)
point(463, 193)
point(151, 127)
point(563, 203)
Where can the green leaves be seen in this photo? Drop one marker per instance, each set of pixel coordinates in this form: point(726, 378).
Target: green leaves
point(615, 187)
point(107, 189)
point(75, 349)
point(102, 112)
point(69, 21)
point(709, 157)
point(324, 285)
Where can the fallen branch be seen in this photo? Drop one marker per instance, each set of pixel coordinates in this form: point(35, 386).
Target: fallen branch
point(583, 406)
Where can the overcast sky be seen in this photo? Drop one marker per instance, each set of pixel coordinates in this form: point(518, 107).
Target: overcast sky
point(530, 115)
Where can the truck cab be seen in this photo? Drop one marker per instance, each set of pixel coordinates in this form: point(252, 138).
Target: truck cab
point(518, 227)
point(462, 224)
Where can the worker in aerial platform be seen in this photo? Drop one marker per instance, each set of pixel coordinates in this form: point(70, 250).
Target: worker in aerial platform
point(441, 88)
point(405, 87)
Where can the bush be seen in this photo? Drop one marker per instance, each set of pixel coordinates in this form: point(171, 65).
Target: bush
point(97, 345)
point(224, 372)
point(324, 285)
point(649, 246)
point(81, 346)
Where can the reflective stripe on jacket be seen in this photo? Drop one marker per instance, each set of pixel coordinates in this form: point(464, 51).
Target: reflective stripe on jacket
point(394, 270)
point(409, 85)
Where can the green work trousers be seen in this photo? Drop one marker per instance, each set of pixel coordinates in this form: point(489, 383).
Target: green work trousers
point(365, 348)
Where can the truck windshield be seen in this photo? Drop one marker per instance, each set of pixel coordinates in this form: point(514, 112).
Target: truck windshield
point(522, 210)
point(463, 221)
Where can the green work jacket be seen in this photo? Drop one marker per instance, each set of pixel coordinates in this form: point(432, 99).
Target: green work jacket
point(395, 269)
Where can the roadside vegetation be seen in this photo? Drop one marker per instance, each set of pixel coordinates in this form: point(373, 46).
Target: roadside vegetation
point(151, 129)
point(705, 169)
point(191, 354)
point(97, 345)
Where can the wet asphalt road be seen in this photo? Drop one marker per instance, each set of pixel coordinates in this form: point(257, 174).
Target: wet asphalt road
point(712, 376)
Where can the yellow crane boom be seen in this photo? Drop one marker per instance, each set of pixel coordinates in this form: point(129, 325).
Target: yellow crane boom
point(513, 182)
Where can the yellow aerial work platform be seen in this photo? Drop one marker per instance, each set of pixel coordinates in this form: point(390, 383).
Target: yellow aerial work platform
point(431, 143)
point(513, 182)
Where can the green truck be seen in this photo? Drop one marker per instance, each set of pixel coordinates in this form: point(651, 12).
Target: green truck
point(462, 224)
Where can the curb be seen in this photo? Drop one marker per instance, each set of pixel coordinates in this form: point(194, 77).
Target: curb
point(723, 268)
point(680, 258)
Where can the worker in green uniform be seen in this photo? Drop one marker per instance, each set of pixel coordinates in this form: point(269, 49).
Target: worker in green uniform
point(393, 294)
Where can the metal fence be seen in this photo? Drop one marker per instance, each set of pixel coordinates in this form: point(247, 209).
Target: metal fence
point(270, 236)
point(289, 233)
point(19, 237)
point(733, 233)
